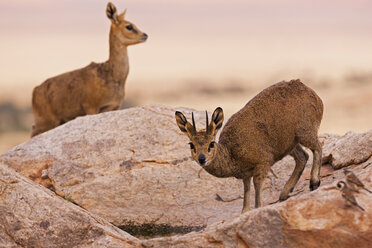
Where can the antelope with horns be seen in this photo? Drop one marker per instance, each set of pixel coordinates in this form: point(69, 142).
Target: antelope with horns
point(273, 124)
point(96, 88)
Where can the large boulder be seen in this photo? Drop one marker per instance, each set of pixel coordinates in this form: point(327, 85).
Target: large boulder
point(317, 219)
point(133, 168)
point(32, 216)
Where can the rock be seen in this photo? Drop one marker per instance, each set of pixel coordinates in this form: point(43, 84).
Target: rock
point(352, 148)
point(32, 216)
point(328, 142)
point(133, 168)
point(317, 219)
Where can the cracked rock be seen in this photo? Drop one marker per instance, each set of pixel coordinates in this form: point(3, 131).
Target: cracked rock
point(33, 216)
point(352, 148)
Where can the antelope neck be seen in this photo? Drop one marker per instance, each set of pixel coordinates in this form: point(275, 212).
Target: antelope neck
point(118, 61)
point(222, 165)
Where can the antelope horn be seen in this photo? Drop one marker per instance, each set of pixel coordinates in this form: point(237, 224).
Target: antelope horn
point(206, 126)
point(193, 122)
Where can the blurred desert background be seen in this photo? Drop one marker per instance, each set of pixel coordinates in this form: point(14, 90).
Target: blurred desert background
point(200, 54)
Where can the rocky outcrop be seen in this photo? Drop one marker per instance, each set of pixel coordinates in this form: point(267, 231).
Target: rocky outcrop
point(32, 216)
point(352, 148)
point(133, 168)
point(317, 219)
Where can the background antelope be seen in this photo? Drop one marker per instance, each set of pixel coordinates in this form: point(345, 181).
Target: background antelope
point(96, 88)
point(275, 123)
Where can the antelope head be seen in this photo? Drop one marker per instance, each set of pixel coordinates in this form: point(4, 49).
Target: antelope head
point(202, 143)
point(122, 30)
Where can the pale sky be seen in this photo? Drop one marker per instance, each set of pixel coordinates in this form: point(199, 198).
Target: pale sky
point(213, 40)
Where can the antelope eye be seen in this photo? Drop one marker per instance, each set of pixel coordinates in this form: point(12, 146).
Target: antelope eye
point(211, 145)
point(129, 27)
point(192, 146)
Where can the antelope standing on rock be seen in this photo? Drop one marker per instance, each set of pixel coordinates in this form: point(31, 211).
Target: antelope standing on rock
point(275, 123)
point(96, 88)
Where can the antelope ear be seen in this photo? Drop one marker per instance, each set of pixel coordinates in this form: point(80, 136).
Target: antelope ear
point(111, 13)
point(122, 15)
point(184, 125)
point(216, 122)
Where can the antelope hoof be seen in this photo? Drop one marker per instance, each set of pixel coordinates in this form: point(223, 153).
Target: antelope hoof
point(246, 209)
point(314, 186)
point(283, 197)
